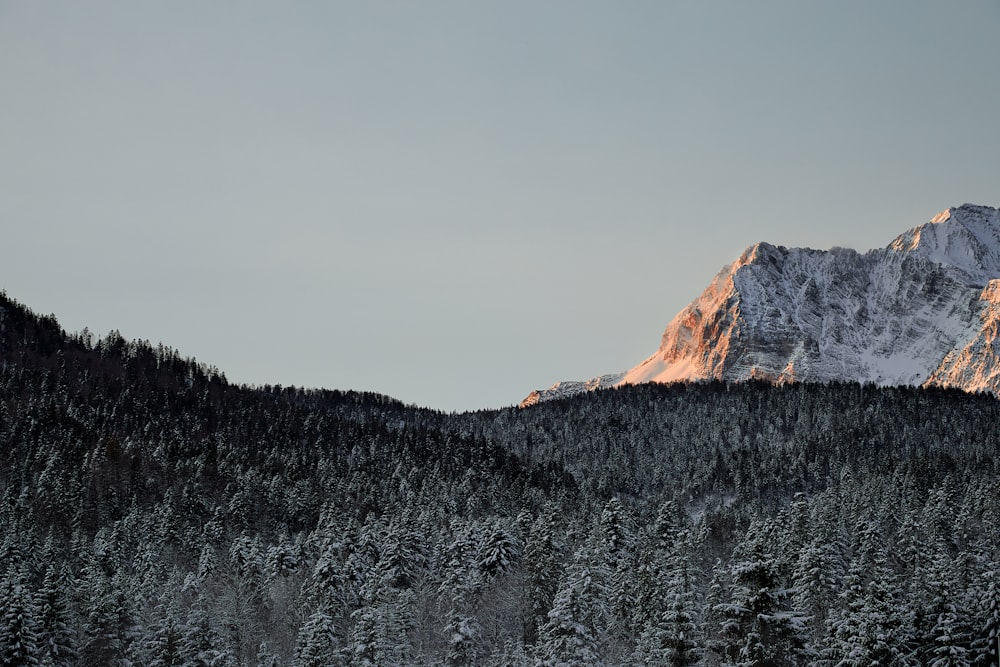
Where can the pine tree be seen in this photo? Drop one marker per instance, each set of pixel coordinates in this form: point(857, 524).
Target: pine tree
point(762, 628)
point(818, 576)
point(334, 583)
point(104, 640)
point(317, 642)
point(201, 644)
point(164, 646)
point(674, 637)
point(19, 640)
point(615, 547)
point(500, 550)
point(244, 601)
point(572, 632)
point(58, 647)
point(651, 567)
point(946, 642)
point(869, 629)
point(510, 654)
point(541, 559)
point(986, 644)
point(267, 658)
point(401, 556)
point(671, 634)
point(715, 616)
point(462, 579)
point(380, 635)
point(462, 632)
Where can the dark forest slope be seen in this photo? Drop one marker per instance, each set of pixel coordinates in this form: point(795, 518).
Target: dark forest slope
point(154, 514)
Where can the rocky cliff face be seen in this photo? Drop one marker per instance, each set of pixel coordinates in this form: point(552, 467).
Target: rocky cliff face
point(923, 310)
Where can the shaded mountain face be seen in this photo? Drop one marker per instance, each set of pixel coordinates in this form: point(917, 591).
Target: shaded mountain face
point(925, 310)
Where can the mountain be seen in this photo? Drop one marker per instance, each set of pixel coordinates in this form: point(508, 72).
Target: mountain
point(924, 310)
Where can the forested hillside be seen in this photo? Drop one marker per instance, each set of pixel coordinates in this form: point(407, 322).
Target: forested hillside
point(154, 514)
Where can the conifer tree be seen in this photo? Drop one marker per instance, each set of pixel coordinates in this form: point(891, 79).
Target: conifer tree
point(107, 617)
point(651, 565)
point(541, 559)
point(616, 542)
point(19, 640)
point(462, 632)
point(818, 576)
point(266, 658)
point(58, 646)
point(674, 636)
point(986, 643)
point(165, 636)
point(380, 634)
point(317, 642)
point(870, 628)
point(572, 631)
point(500, 550)
point(946, 635)
point(761, 628)
point(244, 602)
point(715, 616)
point(202, 645)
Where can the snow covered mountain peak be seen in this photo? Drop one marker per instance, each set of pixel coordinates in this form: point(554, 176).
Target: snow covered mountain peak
point(966, 238)
point(922, 310)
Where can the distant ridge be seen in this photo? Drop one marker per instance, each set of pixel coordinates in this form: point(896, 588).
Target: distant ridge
point(924, 310)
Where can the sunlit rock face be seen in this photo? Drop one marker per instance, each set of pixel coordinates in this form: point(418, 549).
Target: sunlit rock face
point(976, 365)
point(920, 311)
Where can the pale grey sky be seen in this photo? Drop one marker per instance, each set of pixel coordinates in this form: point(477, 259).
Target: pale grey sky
point(454, 203)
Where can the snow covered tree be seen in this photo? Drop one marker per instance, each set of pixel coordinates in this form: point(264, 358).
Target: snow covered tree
point(462, 580)
point(510, 654)
point(380, 634)
point(104, 639)
point(761, 626)
point(715, 616)
point(317, 642)
point(243, 603)
point(572, 632)
point(334, 582)
point(869, 628)
point(615, 541)
point(201, 643)
point(986, 643)
point(19, 640)
point(58, 647)
point(401, 556)
point(500, 550)
point(674, 636)
point(462, 633)
point(818, 575)
point(945, 634)
point(541, 560)
point(651, 564)
point(164, 645)
point(266, 657)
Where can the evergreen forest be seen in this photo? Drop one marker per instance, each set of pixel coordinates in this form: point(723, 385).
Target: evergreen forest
point(154, 514)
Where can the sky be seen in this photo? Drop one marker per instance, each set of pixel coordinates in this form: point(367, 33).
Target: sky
point(454, 203)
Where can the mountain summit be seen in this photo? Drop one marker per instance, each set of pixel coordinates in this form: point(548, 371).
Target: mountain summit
point(924, 310)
